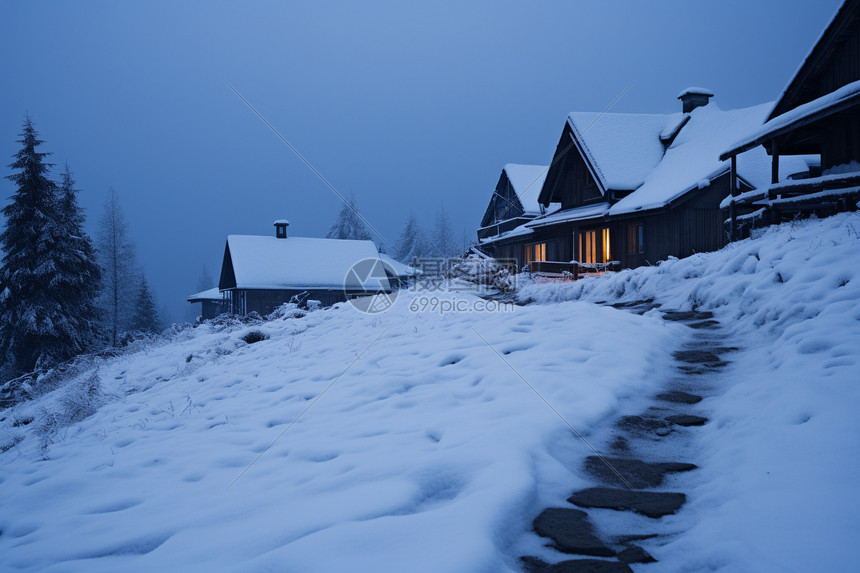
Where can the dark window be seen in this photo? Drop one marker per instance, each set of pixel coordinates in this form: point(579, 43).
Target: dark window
point(635, 239)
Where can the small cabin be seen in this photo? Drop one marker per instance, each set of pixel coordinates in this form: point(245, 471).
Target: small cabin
point(818, 115)
point(259, 273)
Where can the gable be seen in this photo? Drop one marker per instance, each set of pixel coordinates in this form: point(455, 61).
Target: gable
point(570, 180)
point(833, 62)
point(504, 204)
point(228, 276)
point(621, 148)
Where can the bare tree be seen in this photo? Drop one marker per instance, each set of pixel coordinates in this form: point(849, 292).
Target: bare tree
point(120, 284)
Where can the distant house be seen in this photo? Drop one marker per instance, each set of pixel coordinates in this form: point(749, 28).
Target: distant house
point(515, 199)
point(260, 273)
point(636, 188)
point(399, 274)
point(818, 113)
point(212, 302)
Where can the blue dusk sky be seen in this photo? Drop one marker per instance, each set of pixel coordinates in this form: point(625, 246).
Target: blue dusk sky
point(407, 106)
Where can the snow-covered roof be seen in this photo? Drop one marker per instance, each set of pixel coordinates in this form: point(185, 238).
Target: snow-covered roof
point(527, 182)
point(837, 100)
point(568, 215)
point(402, 271)
point(263, 262)
point(692, 160)
point(515, 232)
point(282, 222)
point(622, 148)
point(209, 294)
point(696, 91)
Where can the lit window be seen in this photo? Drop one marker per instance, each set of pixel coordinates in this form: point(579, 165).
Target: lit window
point(536, 252)
point(606, 252)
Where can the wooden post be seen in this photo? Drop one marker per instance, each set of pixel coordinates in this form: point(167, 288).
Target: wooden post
point(774, 166)
point(733, 181)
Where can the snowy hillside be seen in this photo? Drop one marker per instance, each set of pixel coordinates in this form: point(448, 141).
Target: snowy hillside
point(421, 440)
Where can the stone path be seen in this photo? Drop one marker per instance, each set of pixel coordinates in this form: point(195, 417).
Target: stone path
point(629, 477)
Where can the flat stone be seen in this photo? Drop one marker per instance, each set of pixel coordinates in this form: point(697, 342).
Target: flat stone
point(678, 397)
point(637, 473)
point(588, 566)
point(687, 420)
point(633, 303)
point(650, 503)
point(642, 423)
point(687, 315)
point(697, 357)
point(705, 324)
point(635, 554)
point(570, 531)
point(533, 564)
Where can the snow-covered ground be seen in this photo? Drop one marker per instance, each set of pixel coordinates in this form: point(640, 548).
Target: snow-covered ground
point(428, 441)
point(779, 484)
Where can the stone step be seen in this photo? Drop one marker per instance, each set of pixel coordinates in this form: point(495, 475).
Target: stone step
point(679, 397)
point(698, 357)
point(587, 566)
point(571, 532)
point(645, 424)
point(705, 324)
point(635, 554)
point(649, 503)
point(686, 420)
point(687, 315)
point(637, 473)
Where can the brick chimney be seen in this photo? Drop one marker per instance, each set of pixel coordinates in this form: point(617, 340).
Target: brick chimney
point(281, 228)
point(691, 98)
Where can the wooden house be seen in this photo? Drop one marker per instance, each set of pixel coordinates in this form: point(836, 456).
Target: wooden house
point(818, 113)
point(212, 302)
point(258, 273)
point(514, 200)
point(634, 189)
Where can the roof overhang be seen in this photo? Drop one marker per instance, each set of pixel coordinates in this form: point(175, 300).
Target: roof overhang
point(844, 98)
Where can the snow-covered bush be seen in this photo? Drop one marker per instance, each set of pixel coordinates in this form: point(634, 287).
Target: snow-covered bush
point(482, 271)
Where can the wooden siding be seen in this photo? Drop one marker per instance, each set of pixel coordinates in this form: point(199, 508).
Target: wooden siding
point(265, 302)
point(569, 180)
point(694, 224)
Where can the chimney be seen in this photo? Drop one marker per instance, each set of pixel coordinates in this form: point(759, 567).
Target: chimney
point(692, 98)
point(281, 228)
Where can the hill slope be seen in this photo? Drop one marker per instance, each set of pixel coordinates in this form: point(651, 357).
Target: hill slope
point(424, 440)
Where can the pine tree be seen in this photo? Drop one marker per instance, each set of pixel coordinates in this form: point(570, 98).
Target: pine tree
point(120, 286)
point(79, 275)
point(348, 224)
point(35, 329)
point(145, 318)
point(412, 244)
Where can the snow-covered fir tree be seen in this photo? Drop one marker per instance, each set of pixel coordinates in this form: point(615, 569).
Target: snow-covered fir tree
point(412, 243)
point(120, 285)
point(36, 327)
point(80, 275)
point(145, 318)
point(349, 224)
